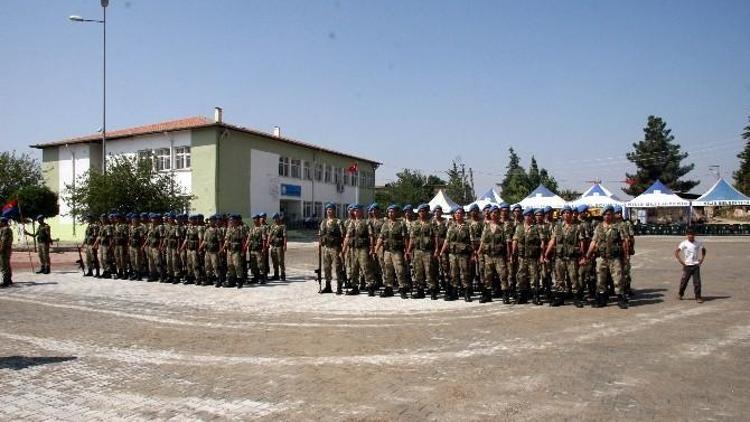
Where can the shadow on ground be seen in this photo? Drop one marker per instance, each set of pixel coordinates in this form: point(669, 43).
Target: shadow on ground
point(22, 362)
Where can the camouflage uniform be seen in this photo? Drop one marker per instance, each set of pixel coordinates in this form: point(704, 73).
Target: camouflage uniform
point(422, 241)
point(6, 249)
point(277, 243)
point(43, 238)
point(477, 268)
point(529, 239)
point(154, 237)
point(394, 236)
point(441, 271)
point(585, 269)
point(136, 235)
point(174, 237)
point(460, 249)
point(627, 228)
point(92, 232)
point(568, 239)
point(193, 238)
point(234, 243)
point(256, 245)
point(106, 240)
point(212, 239)
point(494, 246)
point(359, 243)
point(331, 237)
point(375, 225)
point(121, 248)
point(609, 239)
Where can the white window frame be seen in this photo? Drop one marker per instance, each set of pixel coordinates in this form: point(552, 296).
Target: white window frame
point(337, 175)
point(182, 159)
point(163, 159)
point(284, 166)
point(295, 168)
point(307, 208)
point(318, 209)
point(318, 172)
point(328, 178)
point(306, 170)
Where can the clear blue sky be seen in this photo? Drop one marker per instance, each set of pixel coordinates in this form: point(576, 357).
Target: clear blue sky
point(408, 83)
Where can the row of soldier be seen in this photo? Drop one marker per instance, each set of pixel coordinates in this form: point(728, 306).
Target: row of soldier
point(174, 248)
point(498, 252)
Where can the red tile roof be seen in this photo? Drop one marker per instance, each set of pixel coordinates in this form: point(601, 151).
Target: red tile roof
point(184, 124)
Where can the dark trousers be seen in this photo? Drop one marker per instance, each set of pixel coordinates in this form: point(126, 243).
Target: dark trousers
point(693, 271)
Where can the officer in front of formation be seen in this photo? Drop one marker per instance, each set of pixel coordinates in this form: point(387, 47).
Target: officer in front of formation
point(6, 249)
point(43, 236)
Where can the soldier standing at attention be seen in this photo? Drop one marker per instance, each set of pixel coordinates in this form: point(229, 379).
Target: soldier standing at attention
point(277, 240)
point(516, 220)
point(136, 237)
point(476, 225)
point(257, 245)
point(408, 217)
point(172, 245)
point(211, 244)
point(193, 238)
point(89, 238)
point(567, 242)
point(104, 242)
point(495, 245)
point(152, 246)
point(459, 245)
point(43, 237)
point(357, 244)
point(347, 254)
point(585, 268)
point(6, 250)
point(441, 271)
point(119, 245)
point(528, 244)
point(235, 243)
point(422, 251)
point(375, 223)
point(612, 244)
point(548, 265)
point(331, 235)
point(627, 227)
point(393, 237)
point(266, 269)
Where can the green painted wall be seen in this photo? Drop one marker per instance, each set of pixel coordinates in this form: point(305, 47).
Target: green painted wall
point(51, 168)
point(203, 153)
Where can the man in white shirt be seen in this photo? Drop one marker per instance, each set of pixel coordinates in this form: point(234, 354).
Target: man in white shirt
point(691, 263)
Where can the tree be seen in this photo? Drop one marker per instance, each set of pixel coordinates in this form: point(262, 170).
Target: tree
point(534, 176)
point(410, 187)
point(128, 185)
point(657, 156)
point(460, 185)
point(17, 172)
point(515, 184)
point(570, 195)
point(37, 200)
point(742, 175)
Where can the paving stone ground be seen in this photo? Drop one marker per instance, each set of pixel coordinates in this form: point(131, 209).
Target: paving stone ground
point(74, 348)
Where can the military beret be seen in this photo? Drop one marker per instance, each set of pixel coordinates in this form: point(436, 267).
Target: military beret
point(374, 205)
point(504, 206)
point(539, 211)
point(213, 217)
point(528, 211)
point(330, 205)
point(393, 207)
point(193, 217)
point(276, 216)
point(458, 210)
point(474, 207)
point(104, 216)
point(423, 207)
point(356, 207)
point(4, 219)
point(487, 207)
point(494, 208)
point(39, 217)
point(235, 217)
point(547, 209)
point(617, 209)
point(256, 216)
point(114, 215)
point(135, 216)
point(566, 208)
point(608, 208)
point(583, 208)
point(408, 207)
point(517, 207)
point(144, 215)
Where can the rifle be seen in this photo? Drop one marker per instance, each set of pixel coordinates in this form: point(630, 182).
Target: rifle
point(80, 260)
point(319, 271)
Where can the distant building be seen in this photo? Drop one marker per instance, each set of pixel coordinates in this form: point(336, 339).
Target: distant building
point(227, 168)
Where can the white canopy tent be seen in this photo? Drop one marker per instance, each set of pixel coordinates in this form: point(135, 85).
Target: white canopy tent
point(597, 196)
point(657, 196)
point(491, 197)
point(444, 201)
point(542, 197)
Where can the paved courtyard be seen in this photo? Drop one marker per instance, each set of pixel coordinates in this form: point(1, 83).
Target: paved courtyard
point(74, 348)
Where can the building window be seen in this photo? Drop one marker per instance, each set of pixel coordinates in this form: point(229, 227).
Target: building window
point(355, 178)
point(306, 173)
point(328, 174)
point(337, 175)
point(163, 159)
point(146, 156)
point(284, 166)
point(318, 210)
point(346, 177)
point(296, 168)
point(318, 172)
point(307, 207)
point(363, 179)
point(182, 158)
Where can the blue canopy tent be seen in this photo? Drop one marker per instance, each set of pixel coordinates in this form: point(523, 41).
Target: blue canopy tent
point(722, 194)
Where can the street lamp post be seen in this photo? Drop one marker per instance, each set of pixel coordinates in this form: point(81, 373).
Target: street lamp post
point(76, 18)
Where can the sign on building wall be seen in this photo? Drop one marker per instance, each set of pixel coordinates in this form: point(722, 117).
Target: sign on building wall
point(291, 190)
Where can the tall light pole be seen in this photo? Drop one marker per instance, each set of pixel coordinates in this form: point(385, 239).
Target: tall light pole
point(76, 18)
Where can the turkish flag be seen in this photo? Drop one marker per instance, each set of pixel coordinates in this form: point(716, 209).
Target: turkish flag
point(352, 168)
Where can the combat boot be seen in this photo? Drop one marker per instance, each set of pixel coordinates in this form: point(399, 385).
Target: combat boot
point(403, 293)
point(522, 297)
point(579, 300)
point(506, 297)
point(419, 294)
point(448, 293)
point(327, 288)
point(263, 279)
point(622, 301)
point(354, 291)
point(535, 297)
point(433, 294)
point(283, 277)
point(240, 283)
point(339, 288)
point(387, 292)
point(89, 273)
point(486, 296)
point(601, 300)
point(41, 270)
point(497, 293)
point(467, 295)
point(371, 290)
point(275, 276)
